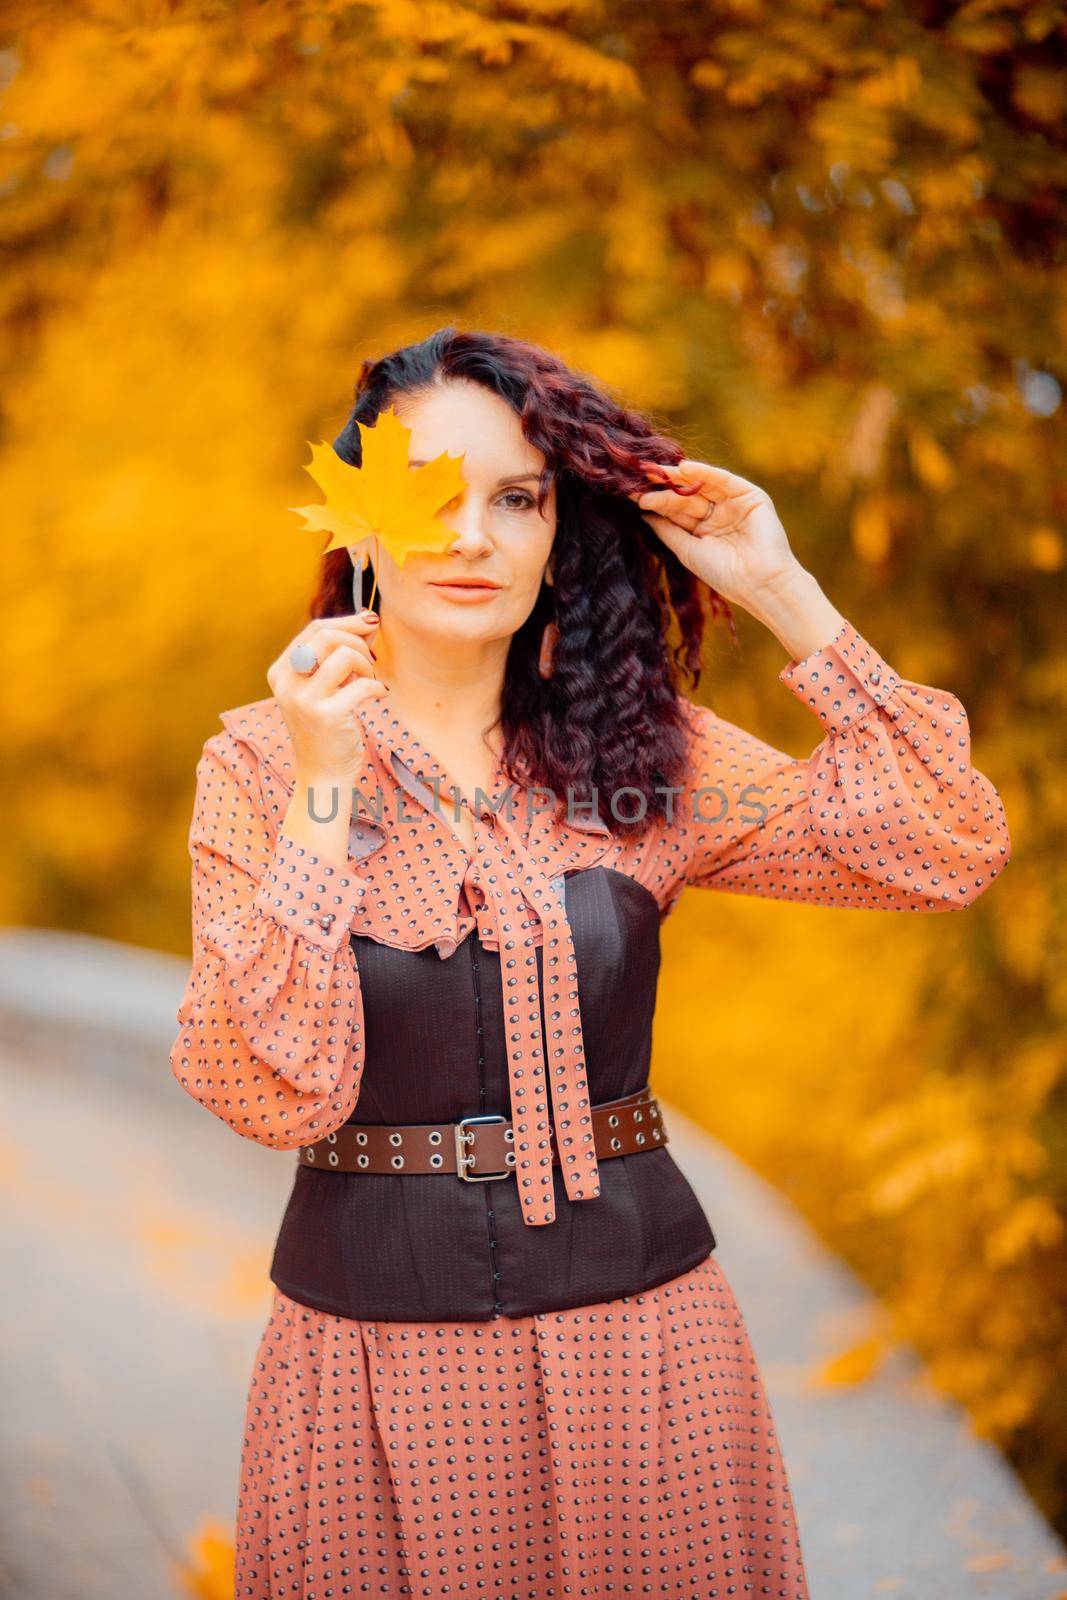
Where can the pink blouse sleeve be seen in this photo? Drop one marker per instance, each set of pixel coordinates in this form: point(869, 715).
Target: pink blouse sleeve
point(886, 812)
point(272, 1037)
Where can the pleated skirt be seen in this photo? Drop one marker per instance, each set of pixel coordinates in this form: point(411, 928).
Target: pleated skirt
point(621, 1448)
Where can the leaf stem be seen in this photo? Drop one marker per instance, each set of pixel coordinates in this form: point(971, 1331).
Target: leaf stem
point(374, 585)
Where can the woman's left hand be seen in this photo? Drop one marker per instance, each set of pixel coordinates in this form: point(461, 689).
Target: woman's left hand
point(727, 533)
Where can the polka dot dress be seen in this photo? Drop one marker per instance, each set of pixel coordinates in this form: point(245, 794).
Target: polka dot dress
point(623, 1448)
point(618, 1448)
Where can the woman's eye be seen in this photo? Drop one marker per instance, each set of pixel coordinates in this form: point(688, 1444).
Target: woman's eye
point(522, 494)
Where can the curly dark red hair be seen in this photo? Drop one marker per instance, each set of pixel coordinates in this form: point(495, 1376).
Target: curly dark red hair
point(611, 717)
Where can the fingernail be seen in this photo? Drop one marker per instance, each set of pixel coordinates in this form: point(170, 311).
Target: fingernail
point(369, 616)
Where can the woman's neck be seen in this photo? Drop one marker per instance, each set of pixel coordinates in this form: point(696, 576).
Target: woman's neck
point(453, 691)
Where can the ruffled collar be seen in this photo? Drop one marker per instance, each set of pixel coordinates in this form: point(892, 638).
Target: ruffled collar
point(405, 785)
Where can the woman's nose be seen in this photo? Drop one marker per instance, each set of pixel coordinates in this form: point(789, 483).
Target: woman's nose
point(472, 535)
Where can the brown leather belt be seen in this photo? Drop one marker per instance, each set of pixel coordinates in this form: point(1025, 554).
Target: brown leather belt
point(477, 1148)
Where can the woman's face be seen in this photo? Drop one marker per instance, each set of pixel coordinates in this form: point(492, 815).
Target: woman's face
point(502, 537)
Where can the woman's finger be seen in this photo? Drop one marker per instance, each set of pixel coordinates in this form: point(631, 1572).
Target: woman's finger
point(337, 668)
point(323, 634)
point(353, 622)
point(352, 695)
point(360, 620)
point(686, 510)
point(718, 482)
point(724, 484)
point(330, 639)
point(674, 537)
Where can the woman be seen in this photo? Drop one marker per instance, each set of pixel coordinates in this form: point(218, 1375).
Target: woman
point(501, 1358)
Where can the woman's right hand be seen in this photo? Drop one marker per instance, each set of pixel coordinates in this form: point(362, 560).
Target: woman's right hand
point(319, 707)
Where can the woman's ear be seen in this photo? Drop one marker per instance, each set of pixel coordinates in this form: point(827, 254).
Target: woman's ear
point(548, 572)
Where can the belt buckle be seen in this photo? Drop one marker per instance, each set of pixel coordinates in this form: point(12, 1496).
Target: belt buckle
point(463, 1160)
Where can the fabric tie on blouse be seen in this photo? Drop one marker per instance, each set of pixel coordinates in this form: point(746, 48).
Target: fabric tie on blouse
point(512, 879)
point(514, 882)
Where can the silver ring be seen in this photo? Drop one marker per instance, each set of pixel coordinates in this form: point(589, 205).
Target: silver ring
point(302, 658)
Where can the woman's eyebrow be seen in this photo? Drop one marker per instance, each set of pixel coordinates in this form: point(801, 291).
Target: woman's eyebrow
point(511, 477)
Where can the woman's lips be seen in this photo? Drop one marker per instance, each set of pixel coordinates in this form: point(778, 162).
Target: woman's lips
point(468, 592)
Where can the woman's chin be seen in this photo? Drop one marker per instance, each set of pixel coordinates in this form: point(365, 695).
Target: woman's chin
point(466, 622)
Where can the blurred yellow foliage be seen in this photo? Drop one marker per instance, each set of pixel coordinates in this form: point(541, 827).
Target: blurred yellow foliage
point(855, 1363)
point(208, 1572)
point(826, 249)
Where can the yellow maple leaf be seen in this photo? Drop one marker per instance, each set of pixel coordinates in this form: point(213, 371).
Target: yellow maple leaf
point(384, 498)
